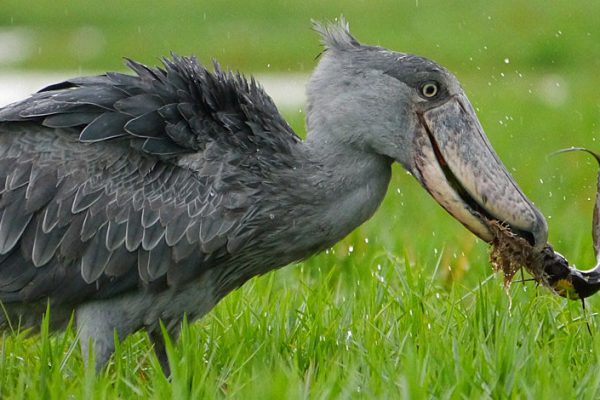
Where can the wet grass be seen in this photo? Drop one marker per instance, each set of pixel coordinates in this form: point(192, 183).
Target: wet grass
point(406, 306)
point(329, 329)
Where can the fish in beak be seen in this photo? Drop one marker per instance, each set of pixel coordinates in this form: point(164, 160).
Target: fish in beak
point(456, 164)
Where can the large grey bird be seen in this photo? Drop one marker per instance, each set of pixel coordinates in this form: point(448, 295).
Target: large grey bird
point(133, 199)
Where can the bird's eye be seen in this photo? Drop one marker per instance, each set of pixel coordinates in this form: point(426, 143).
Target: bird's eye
point(429, 89)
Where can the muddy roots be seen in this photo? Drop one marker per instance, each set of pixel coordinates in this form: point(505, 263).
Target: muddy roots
point(510, 252)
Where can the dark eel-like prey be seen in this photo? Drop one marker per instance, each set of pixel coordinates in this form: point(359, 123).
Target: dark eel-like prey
point(510, 252)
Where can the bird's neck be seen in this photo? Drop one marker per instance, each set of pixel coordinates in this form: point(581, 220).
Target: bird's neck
point(349, 183)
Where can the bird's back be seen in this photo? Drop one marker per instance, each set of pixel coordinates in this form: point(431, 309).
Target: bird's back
point(118, 183)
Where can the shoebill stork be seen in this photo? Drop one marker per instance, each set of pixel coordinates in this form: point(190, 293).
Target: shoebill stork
point(129, 199)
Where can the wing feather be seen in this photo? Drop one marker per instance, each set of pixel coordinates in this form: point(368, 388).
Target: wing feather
point(41, 188)
point(15, 219)
point(95, 258)
point(15, 272)
point(46, 244)
point(68, 120)
point(121, 262)
point(116, 181)
point(108, 125)
point(134, 230)
point(152, 236)
point(176, 228)
point(115, 235)
point(85, 196)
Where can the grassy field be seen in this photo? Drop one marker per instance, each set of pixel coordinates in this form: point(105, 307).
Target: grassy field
point(407, 305)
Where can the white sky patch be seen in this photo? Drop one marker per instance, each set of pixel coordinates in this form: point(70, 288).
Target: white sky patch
point(16, 44)
point(287, 90)
point(17, 86)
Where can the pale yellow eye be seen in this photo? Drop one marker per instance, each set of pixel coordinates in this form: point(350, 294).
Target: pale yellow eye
point(429, 89)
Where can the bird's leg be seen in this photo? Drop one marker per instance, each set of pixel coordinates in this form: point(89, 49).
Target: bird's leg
point(100, 341)
point(96, 323)
point(158, 340)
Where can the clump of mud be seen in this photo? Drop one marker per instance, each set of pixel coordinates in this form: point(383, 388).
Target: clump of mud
point(510, 252)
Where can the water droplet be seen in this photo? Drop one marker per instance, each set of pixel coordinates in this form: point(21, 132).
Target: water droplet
point(350, 249)
point(506, 60)
point(367, 240)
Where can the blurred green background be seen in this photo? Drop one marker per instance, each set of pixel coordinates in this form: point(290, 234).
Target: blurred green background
point(531, 68)
point(260, 35)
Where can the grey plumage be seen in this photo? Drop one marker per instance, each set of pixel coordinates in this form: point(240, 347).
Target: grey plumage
point(137, 198)
point(94, 177)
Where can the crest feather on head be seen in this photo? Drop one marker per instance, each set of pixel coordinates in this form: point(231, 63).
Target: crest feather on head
point(336, 35)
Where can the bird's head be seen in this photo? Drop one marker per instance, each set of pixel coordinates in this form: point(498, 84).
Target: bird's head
point(412, 110)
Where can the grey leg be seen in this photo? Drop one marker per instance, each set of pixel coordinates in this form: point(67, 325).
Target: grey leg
point(96, 323)
point(95, 333)
point(158, 341)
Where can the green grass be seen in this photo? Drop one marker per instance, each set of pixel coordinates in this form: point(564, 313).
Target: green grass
point(330, 330)
point(413, 310)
